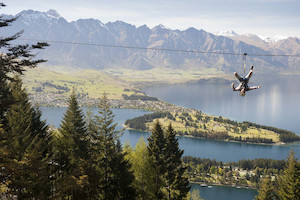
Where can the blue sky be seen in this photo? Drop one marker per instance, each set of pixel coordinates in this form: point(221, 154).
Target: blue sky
point(261, 17)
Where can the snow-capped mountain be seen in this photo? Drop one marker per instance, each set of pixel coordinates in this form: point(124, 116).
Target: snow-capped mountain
point(267, 39)
point(226, 33)
point(273, 39)
point(51, 26)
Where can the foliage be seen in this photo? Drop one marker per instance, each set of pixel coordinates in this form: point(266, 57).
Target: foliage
point(207, 134)
point(168, 171)
point(139, 123)
point(284, 135)
point(71, 154)
point(156, 149)
point(266, 190)
point(115, 180)
point(289, 181)
point(142, 168)
point(195, 195)
point(212, 171)
point(24, 148)
point(13, 60)
point(176, 182)
point(139, 97)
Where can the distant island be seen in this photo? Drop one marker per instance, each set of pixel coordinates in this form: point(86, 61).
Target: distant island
point(193, 123)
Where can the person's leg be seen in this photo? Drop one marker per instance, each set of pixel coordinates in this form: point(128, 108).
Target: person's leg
point(248, 76)
point(238, 76)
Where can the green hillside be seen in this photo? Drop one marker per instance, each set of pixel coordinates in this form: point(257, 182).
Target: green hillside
point(166, 75)
point(88, 83)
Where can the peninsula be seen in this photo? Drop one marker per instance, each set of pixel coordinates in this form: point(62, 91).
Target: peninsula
point(194, 123)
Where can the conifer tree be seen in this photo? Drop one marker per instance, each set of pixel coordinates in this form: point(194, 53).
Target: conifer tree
point(176, 183)
point(95, 149)
point(289, 182)
point(23, 138)
point(110, 162)
point(25, 144)
point(157, 148)
point(266, 190)
point(14, 61)
point(72, 152)
point(124, 175)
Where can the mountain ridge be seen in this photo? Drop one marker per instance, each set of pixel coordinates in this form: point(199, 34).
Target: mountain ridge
point(51, 26)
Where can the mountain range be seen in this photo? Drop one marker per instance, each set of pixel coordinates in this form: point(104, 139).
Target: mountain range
point(94, 34)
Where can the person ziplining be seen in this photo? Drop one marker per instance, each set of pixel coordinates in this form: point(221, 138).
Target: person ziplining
point(243, 86)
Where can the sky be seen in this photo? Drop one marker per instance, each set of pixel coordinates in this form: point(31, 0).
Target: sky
point(261, 17)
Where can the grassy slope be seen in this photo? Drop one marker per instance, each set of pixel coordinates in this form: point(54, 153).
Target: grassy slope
point(113, 81)
point(166, 75)
point(90, 82)
point(214, 126)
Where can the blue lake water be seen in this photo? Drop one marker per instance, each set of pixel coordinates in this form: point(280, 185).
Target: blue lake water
point(224, 192)
point(276, 103)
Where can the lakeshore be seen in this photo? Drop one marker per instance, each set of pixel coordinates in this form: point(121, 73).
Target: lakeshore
point(187, 122)
point(203, 184)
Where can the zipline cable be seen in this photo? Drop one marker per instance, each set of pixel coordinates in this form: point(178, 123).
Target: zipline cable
point(244, 58)
point(159, 49)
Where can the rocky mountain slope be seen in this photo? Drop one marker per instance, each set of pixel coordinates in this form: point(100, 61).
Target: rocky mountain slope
point(51, 26)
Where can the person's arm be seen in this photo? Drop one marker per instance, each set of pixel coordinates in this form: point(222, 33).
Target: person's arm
point(254, 87)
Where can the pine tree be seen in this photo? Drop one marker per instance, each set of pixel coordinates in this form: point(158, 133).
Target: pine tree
point(156, 148)
point(72, 152)
point(289, 182)
point(5, 98)
point(23, 138)
point(266, 190)
point(25, 144)
point(176, 183)
point(124, 175)
point(110, 162)
point(14, 61)
point(95, 149)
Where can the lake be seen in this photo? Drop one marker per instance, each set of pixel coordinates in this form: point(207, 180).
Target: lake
point(276, 103)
